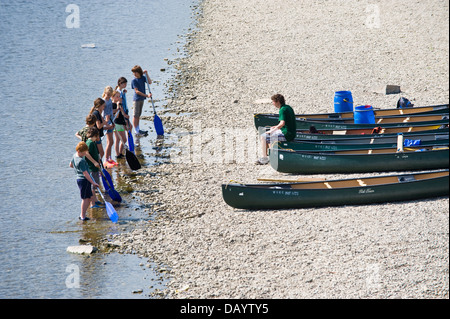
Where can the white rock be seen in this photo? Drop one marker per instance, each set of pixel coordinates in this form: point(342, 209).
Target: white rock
point(82, 249)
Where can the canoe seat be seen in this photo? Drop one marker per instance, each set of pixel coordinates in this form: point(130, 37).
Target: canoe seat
point(360, 182)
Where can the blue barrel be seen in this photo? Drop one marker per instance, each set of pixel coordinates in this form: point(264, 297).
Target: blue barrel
point(364, 115)
point(343, 101)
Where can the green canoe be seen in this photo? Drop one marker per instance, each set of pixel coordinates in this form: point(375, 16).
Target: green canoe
point(379, 131)
point(441, 119)
point(271, 119)
point(358, 191)
point(359, 161)
point(370, 138)
point(342, 145)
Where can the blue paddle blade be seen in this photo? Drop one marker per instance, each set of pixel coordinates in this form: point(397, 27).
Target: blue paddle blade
point(115, 196)
point(108, 178)
point(130, 142)
point(105, 183)
point(111, 212)
point(158, 125)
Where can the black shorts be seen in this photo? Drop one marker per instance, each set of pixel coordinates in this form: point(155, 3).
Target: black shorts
point(85, 188)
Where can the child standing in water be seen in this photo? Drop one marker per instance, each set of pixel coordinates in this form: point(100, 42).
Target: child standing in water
point(138, 84)
point(120, 124)
point(92, 158)
point(109, 127)
point(97, 109)
point(121, 87)
point(84, 180)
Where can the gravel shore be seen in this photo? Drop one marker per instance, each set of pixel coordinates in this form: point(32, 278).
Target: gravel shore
point(242, 53)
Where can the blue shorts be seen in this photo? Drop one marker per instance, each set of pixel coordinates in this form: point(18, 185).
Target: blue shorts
point(276, 136)
point(85, 188)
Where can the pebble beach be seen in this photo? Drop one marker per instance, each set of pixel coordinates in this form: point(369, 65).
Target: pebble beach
point(240, 54)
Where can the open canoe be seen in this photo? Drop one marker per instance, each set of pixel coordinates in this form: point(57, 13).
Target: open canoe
point(441, 119)
point(271, 119)
point(358, 191)
point(359, 161)
point(341, 145)
point(371, 138)
point(381, 131)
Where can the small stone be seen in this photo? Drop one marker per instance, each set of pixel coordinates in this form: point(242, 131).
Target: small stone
point(387, 89)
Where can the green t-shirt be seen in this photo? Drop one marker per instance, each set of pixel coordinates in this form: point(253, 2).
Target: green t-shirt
point(79, 165)
point(287, 115)
point(93, 151)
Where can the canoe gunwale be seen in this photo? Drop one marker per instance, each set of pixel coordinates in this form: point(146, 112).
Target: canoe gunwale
point(439, 173)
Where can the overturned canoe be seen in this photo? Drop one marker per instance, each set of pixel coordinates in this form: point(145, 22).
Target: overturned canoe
point(358, 191)
point(359, 161)
point(271, 119)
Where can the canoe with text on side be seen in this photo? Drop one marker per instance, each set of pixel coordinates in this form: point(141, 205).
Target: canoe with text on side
point(373, 138)
point(341, 145)
point(359, 161)
point(407, 122)
point(376, 132)
point(271, 119)
point(356, 191)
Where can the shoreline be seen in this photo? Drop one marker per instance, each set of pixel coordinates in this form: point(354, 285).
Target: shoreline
point(394, 250)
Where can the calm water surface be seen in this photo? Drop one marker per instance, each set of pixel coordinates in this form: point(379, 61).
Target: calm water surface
point(48, 85)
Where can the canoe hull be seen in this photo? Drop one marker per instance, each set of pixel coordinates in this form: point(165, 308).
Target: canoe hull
point(382, 139)
point(310, 146)
point(268, 119)
point(331, 135)
point(324, 163)
point(280, 196)
point(346, 126)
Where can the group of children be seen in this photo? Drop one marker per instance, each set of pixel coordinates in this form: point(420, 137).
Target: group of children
point(109, 116)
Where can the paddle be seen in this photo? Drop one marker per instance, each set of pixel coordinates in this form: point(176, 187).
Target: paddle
point(109, 186)
point(112, 214)
point(156, 120)
point(130, 140)
point(131, 158)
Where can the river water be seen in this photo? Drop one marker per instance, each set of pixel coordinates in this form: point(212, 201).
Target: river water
point(48, 85)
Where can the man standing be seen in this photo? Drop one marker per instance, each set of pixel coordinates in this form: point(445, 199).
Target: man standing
point(284, 131)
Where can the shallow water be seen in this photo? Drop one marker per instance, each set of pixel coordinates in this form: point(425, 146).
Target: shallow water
point(49, 84)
